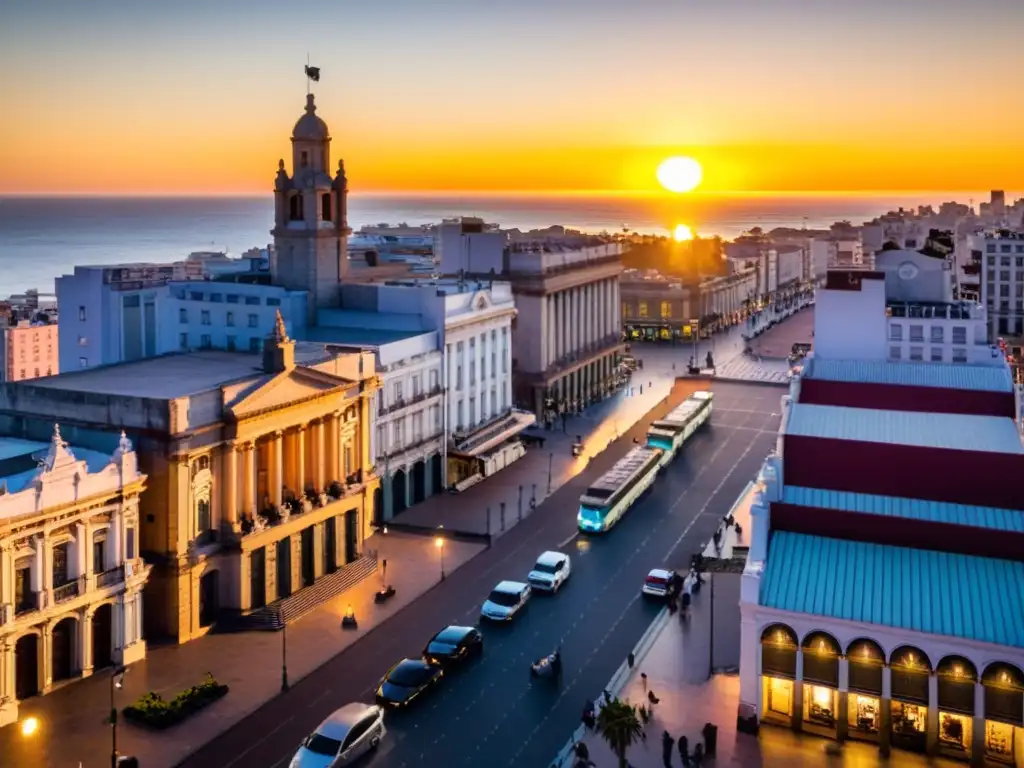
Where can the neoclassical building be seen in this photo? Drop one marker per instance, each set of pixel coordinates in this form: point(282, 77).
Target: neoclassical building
point(71, 574)
point(259, 475)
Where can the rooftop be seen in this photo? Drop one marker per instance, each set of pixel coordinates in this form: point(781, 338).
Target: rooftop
point(974, 598)
point(981, 378)
point(913, 509)
point(992, 434)
point(355, 336)
point(20, 461)
point(624, 468)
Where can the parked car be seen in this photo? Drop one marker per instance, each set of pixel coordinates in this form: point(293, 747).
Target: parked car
point(505, 601)
point(342, 738)
point(550, 572)
point(659, 583)
point(454, 645)
point(405, 681)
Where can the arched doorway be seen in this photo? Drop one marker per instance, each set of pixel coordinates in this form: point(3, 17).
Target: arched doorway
point(437, 473)
point(865, 663)
point(419, 482)
point(911, 669)
point(956, 680)
point(26, 666)
point(102, 636)
point(378, 506)
point(62, 644)
point(398, 492)
point(821, 681)
point(1004, 709)
point(778, 673)
point(209, 598)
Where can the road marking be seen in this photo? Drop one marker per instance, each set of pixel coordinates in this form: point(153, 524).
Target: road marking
point(564, 544)
point(314, 701)
point(259, 741)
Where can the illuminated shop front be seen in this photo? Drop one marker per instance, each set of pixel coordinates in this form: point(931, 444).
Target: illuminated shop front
point(866, 665)
point(910, 669)
point(820, 683)
point(956, 682)
point(1004, 711)
point(778, 674)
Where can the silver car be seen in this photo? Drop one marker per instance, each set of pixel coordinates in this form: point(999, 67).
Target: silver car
point(342, 738)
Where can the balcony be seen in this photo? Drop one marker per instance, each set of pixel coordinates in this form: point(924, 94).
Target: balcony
point(110, 577)
point(29, 602)
point(68, 591)
point(298, 506)
point(404, 402)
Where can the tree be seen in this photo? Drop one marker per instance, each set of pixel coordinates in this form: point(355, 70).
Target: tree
point(620, 727)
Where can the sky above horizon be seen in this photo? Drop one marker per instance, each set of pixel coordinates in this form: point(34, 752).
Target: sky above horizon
point(113, 96)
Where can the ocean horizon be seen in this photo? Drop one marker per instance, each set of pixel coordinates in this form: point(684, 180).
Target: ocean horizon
point(42, 237)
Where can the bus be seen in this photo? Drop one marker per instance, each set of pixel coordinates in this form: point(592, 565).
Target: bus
point(603, 503)
point(670, 433)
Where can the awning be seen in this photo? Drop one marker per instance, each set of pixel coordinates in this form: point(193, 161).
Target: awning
point(495, 432)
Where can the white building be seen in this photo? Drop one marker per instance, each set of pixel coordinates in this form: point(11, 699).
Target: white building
point(882, 595)
point(833, 251)
point(71, 576)
point(1002, 280)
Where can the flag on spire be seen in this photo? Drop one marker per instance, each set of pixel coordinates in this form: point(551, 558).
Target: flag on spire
point(313, 73)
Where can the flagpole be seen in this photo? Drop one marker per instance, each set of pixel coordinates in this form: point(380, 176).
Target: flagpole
point(309, 87)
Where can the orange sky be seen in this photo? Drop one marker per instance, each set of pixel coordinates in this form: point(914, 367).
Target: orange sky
point(586, 97)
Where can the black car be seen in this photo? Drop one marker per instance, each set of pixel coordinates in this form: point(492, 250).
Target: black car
point(454, 645)
point(407, 680)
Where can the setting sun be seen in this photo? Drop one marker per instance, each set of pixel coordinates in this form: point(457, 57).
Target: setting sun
point(681, 233)
point(680, 174)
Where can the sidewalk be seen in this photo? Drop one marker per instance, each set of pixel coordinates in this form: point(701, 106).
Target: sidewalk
point(542, 471)
point(777, 342)
point(71, 719)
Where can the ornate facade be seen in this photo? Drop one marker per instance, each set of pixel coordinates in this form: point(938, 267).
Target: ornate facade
point(71, 576)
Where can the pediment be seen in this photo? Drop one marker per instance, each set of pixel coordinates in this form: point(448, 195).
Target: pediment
point(284, 390)
point(481, 301)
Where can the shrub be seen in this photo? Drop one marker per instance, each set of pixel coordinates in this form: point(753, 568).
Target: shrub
point(153, 711)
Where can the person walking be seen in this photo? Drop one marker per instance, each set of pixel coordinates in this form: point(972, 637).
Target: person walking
point(667, 742)
point(684, 751)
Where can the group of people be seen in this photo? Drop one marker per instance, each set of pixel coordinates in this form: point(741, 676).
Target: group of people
point(686, 759)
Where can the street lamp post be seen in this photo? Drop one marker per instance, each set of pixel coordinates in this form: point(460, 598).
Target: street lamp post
point(439, 543)
point(116, 682)
point(284, 658)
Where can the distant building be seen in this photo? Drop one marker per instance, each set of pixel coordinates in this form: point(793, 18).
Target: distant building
point(1001, 255)
point(655, 307)
point(29, 350)
point(71, 570)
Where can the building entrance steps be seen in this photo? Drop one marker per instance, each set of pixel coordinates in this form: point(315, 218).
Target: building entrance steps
point(71, 719)
point(542, 471)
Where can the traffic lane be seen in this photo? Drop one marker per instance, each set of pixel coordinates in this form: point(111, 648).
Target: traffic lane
point(604, 588)
point(549, 735)
point(352, 675)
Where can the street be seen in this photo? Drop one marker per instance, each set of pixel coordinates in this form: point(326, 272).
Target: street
point(492, 713)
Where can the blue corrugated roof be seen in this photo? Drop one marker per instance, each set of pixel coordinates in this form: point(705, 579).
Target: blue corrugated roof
point(983, 378)
point(995, 434)
point(915, 509)
point(976, 598)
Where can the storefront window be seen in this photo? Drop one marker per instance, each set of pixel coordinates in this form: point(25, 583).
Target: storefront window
point(778, 651)
point(863, 714)
point(820, 705)
point(910, 670)
point(955, 731)
point(999, 741)
point(778, 696)
point(908, 725)
point(1003, 694)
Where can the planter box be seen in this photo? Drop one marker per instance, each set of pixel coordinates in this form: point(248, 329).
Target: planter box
point(152, 711)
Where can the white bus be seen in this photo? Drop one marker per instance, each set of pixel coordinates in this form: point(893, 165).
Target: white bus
point(670, 433)
point(614, 493)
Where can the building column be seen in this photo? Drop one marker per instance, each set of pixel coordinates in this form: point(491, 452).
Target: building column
point(318, 456)
point(334, 470)
point(46, 663)
point(577, 320)
point(249, 472)
point(8, 702)
point(230, 502)
point(798, 692)
point(276, 467)
point(978, 731)
point(85, 650)
point(885, 715)
point(932, 730)
point(842, 710)
point(300, 459)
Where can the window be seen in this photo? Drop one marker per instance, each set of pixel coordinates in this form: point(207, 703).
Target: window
point(398, 433)
point(381, 448)
point(938, 334)
point(504, 398)
point(183, 342)
point(959, 355)
point(325, 207)
point(917, 353)
point(37, 373)
point(895, 353)
point(1004, 275)
point(81, 314)
point(182, 315)
point(494, 401)
point(129, 543)
point(433, 380)
point(398, 391)
point(494, 365)
point(217, 298)
point(643, 309)
point(895, 332)
point(83, 362)
point(204, 524)
point(461, 416)
point(936, 354)
point(22, 374)
point(61, 574)
point(483, 366)
point(82, 341)
point(23, 586)
point(417, 428)
point(231, 319)
point(436, 417)
point(205, 342)
point(232, 298)
point(472, 411)
point(99, 556)
point(204, 317)
point(273, 302)
point(472, 372)
point(252, 301)
point(232, 344)
point(917, 333)
point(1005, 249)
point(458, 376)
point(625, 309)
point(666, 310)
point(254, 321)
point(255, 344)
point(990, 247)
point(304, 159)
point(1004, 291)
point(416, 386)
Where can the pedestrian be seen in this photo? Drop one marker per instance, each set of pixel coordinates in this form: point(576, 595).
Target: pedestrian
point(643, 680)
point(667, 742)
point(698, 755)
point(684, 751)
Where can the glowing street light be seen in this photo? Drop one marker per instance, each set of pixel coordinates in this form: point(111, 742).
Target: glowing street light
point(29, 726)
point(439, 543)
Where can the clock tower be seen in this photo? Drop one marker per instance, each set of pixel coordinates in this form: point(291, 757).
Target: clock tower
point(311, 216)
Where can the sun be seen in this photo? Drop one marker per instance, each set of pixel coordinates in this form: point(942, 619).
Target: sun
point(680, 174)
point(681, 233)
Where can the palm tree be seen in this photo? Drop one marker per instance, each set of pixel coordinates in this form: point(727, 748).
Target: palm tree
point(620, 727)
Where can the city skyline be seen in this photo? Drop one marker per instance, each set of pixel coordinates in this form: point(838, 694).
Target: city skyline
point(524, 99)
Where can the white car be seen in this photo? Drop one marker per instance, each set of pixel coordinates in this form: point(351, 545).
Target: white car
point(550, 572)
point(658, 582)
point(505, 601)
point(342, 738)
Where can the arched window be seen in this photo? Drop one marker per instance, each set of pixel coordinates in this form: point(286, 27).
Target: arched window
point(1004, 686)
point(204, 522)
point(778, 651)
point(866, 662)
point(325, 207)
point(821, 659)
point(956, 678)
point(295, 208)
point(910, 671)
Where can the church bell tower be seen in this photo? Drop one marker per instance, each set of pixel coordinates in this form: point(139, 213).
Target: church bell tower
point(311, 217)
